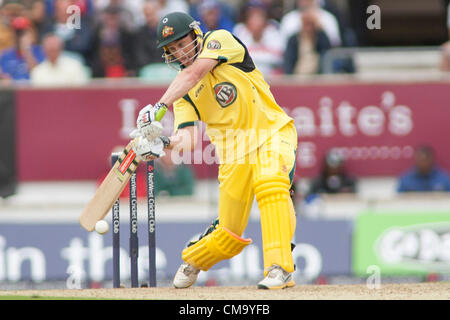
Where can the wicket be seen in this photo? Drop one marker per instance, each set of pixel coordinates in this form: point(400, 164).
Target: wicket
point(134, 241)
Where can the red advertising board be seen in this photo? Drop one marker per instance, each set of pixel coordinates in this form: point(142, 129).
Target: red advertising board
point(68, 134)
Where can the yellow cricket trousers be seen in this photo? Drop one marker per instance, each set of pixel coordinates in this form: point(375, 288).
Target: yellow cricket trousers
point(267, 174)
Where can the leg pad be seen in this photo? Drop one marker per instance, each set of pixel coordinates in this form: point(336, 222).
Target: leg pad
point(219, 245)
point(277, 221)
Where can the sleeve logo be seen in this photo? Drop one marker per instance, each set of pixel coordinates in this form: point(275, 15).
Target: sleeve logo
point(226, 93)
point(214, 45)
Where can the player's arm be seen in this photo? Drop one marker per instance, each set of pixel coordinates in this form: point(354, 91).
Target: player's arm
point(184, 139)
point(187, 79)
point(180, 86)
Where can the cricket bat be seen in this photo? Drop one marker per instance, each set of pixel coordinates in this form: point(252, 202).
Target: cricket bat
point(112, 186)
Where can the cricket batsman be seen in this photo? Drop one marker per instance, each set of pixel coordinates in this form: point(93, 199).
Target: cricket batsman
point(255, 141)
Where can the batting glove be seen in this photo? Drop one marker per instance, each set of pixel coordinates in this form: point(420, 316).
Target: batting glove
point(148, 150)
point(148, 121)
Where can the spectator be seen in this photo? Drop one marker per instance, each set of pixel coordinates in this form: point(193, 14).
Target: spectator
point(212, 15)
point(8, 11)
point(344, 64)
point(168, 6)
point(131, 15)
point(77, 39)
point(57, 69)
point(346, 32)
point(87, 8)
point(17, 62)
point(34, 10)
point(113, 48)
point(425, 175)
point(445, 62)
point(6, 36)
point(171, 179)
point(291, 23)
point(305, 50)
point(146, 50)
point(448, 16)
point(259, 36)
point(333, 177)
point(274, 9)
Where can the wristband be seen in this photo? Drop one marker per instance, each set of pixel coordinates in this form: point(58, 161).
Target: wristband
point(165, 140)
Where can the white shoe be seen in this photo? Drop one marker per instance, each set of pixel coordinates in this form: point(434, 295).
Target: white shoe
point(185, 276)
point(277, 278)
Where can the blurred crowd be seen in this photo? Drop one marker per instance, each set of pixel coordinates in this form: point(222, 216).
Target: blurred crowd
point(425, 175)
point(445, 62)
point(70, 41)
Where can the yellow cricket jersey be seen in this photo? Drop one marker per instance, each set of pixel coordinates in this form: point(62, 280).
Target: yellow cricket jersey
point(233, 100)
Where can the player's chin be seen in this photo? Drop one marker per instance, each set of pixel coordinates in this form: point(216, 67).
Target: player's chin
point(187, 62)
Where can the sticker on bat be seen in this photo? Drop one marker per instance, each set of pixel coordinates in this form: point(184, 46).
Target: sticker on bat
point(127, 161)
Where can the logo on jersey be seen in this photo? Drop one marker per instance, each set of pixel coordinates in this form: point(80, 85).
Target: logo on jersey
point(167, 31)
point(226, 93)
point(214, 45)
point(197, 92)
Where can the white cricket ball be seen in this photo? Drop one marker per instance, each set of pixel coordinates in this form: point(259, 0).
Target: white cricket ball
point(102, 227)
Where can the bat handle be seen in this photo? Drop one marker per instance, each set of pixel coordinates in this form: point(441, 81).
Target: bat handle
point(161, 112)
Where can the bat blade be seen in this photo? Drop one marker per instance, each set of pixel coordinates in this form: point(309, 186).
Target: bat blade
point(110, 189)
